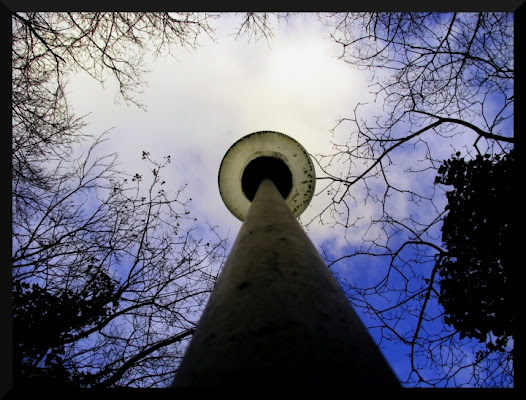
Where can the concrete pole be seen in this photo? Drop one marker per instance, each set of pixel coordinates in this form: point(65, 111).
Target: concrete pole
point(277, 316)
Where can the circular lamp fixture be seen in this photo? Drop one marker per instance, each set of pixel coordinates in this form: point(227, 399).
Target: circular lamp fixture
point(261, 155)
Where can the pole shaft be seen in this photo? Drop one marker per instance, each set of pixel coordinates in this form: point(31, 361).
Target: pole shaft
point(277, 315)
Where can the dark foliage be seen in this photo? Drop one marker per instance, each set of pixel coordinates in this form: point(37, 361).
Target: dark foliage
point(478, 272)
point(439, 83)
point(43, 320)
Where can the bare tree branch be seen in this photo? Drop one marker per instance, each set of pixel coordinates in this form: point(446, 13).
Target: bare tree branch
point(444, 82)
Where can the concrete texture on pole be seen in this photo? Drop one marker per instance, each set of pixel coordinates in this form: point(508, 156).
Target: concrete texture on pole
point(277, 315)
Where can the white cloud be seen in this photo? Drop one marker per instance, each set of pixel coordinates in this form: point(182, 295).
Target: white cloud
point(203, 101)
point(200, 103)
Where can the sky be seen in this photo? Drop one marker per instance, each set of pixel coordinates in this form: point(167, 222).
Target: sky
point(202, 101)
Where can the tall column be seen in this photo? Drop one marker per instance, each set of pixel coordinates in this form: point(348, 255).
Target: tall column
point(277, 315)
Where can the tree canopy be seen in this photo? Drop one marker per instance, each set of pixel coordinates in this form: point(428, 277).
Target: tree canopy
point(477, 274)
point(44, 322)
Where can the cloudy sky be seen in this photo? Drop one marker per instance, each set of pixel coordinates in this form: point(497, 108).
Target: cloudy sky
point(202, 101)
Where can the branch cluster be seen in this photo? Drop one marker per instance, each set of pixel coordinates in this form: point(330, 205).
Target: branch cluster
point(110, 270)
point(441, 83)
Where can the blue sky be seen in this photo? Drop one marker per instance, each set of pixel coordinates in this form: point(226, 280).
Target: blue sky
point(202, 101)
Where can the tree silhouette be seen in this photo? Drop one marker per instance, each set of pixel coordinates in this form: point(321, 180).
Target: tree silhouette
point(477, 275)
point(110, 273)
point(109, 270)
point(440, 83)
point(445, 81)
point(44, 321)
point(115, 271)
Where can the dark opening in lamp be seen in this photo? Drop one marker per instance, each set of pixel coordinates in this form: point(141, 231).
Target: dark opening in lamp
point(266, 154)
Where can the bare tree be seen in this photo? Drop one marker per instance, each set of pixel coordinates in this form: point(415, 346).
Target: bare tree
point(98, 218)
point(445, 81)
point(110, 272)
point(102, 44)
point(48, 46)
point(113, 262)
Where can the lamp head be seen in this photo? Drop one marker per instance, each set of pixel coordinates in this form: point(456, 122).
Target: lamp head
point(261, 155)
